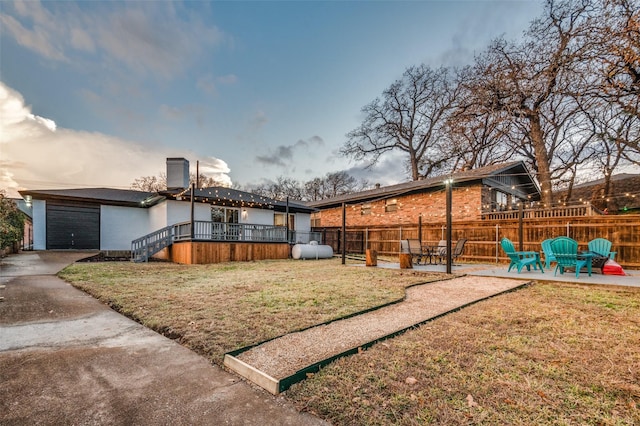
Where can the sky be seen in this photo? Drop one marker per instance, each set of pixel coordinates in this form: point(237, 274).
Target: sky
point(98, 93)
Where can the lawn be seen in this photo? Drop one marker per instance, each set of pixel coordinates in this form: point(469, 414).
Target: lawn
point(214, 309)
point(551, 353)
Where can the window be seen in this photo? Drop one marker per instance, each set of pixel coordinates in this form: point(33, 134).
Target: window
point(224, 215)
point(278, 220)
point(315, 220)
point(365, 209)
point(224, 226)
point(391, 205)
point(500, 200)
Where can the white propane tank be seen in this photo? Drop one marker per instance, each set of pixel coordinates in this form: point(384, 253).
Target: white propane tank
point(313, 250)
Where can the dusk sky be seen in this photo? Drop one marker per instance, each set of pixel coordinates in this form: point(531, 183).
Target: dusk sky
point(95, 94)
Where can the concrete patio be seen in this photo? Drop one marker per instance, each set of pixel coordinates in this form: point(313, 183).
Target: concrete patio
point(631, 279)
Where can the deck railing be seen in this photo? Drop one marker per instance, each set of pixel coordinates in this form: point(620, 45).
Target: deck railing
point(144, 247)
point(559, 211)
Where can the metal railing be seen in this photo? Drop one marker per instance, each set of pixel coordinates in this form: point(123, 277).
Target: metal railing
point(144, 247)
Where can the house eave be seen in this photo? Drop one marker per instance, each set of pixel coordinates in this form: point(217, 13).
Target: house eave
point(147, 202)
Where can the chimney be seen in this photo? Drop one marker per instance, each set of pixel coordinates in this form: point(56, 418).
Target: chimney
point(377, 186)
point(177, 173)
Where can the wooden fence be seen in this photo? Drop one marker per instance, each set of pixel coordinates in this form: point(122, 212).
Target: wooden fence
point(484, 236)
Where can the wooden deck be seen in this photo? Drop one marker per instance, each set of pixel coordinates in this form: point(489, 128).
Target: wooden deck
point(204, 252)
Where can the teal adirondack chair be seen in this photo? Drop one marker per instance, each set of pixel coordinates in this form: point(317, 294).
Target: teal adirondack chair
point(602, 247)
point(520, 259)
point(566, 252)
point(548, 253)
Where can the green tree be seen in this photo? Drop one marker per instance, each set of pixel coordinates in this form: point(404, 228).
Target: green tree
point(11, 222)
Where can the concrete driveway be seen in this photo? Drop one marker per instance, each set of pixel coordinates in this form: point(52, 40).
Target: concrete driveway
point(67, 359)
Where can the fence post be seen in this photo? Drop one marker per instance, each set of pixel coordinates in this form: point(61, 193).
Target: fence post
point(192, 210)
point(344, 233)
point(497, 241)
point(520, 227)
point(366, 238)
point(568, 225)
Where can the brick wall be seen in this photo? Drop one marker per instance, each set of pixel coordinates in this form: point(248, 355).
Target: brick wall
point(466, 205)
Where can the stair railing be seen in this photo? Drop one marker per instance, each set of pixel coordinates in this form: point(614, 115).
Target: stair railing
point(144, 247)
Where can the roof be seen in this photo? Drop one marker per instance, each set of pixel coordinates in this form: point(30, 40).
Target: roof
point(624, 192)
point(109, 196)
point(483, 174)
point(127, 197)
point(614, 178)
point(223, 196)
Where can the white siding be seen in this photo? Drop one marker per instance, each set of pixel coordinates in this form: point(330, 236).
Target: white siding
point(303, 222)
point(257, 216)
point(39, 225)
point(180, 211)
point(120, 225)
point(157, 217)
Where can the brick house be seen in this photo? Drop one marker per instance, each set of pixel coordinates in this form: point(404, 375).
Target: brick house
point(483, 190)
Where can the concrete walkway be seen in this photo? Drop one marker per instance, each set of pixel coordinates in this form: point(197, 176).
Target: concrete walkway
point(67, 359)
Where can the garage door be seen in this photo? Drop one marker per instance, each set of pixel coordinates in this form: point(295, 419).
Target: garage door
point(73, 226)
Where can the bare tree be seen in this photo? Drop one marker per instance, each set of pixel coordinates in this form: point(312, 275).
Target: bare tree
point(282, 188)
point(615, 142)
point(205, 181)
point(150, 183)
point(477, 135)
point(410, 117)
point(332, 185)
point(159, 182)
point(531, 82)
point(617, 53)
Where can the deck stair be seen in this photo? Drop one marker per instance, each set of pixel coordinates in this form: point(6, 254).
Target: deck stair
point(144, 247)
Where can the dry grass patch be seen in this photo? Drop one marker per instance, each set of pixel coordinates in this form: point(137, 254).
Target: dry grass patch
point(214, 309)
point(549, 354)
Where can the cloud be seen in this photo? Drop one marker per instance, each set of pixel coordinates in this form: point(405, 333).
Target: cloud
point(388, 171)
point(215, 168)
point(36, 154)
point(474, 30)
point(171, 113)
point(209, 84)
point(277, 157)
point(36, 39)
point(157, 38)
point(283, 155)
point(316, 140)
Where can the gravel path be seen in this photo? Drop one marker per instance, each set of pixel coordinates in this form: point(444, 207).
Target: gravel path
point(284, 356)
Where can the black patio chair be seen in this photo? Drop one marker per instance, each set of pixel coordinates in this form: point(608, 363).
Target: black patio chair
point(457, 250)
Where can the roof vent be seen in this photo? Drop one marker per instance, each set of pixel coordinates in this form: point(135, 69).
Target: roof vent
point(177, 173)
